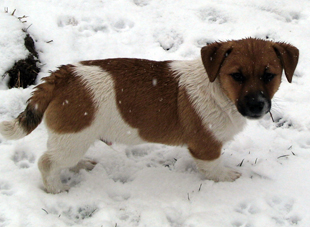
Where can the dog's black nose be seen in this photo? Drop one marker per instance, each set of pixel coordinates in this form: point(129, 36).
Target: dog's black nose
point(254, 105)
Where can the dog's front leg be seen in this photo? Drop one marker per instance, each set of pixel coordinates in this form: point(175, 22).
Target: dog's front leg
point(214, 170)
point(209, 164)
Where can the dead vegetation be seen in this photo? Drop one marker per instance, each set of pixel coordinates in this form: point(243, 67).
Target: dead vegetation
point(25, 71)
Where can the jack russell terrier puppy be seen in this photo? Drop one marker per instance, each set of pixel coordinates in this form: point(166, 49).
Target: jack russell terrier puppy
point(199, 103)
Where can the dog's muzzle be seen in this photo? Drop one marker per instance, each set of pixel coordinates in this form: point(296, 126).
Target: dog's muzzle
point(254, 106)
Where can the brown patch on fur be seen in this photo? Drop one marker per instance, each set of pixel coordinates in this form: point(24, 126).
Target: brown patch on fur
point(213, 57)
point(146, 97)
point(149, 99)
point(201, 142)
point(288, 56)
point(63, 99)
point(71, 108)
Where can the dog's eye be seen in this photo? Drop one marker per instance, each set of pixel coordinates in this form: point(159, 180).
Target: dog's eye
point(238, 77)
point(268, 77)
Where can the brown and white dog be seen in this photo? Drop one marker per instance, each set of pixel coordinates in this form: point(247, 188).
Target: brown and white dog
point(199, 103)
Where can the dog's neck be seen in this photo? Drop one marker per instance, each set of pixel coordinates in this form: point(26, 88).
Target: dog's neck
point(224, 121)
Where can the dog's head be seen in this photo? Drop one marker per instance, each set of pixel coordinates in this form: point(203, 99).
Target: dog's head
point(249, 71)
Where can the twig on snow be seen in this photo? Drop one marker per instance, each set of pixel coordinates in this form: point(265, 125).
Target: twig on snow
point(271, 116)
point(45, 210)
point(200, 187)
point(240, 164)
point(283, 156)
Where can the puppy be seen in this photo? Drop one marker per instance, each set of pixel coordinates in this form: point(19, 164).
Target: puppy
point(200, 103)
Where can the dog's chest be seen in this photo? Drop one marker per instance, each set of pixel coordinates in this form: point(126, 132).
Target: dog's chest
point(216, 112)
point(227, 124)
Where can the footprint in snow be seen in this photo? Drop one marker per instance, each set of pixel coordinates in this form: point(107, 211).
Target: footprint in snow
point(212, 15)
point(141, 2)
point(119, 196)
point(3, 221)
point(80, 213)
point(122, 25)
point(169, 40)
point(286, 16)
point(280, 212)
point(283, 207)
point(240, 224)
point(247, 208)
point(23, 159)
point(66, 20)
point(72, 214)
point(5, 189)
point(84, 25)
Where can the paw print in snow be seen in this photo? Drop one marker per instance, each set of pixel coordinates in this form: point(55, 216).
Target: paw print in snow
point(286, 16)
point(278, 211)
point(212, 15)
point(5, 189)
point(169, 40)
point(247, 208)
point(85, 25)
point(141, 2)
point(121, 25)
point(240, 224)
point(282, 208)
point(23, 159)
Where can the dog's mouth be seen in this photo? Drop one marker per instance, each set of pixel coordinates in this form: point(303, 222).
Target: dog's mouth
point(254, 106)
point(254, 116)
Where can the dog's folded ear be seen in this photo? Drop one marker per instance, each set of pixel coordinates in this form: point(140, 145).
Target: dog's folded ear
point(288, 56)
point(213, 55)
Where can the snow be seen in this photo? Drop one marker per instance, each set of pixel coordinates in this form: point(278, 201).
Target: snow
point(11, 41)
point(151, 184)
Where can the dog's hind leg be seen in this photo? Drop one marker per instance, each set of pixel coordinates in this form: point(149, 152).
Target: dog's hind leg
point(64, 151)
point(86, 164)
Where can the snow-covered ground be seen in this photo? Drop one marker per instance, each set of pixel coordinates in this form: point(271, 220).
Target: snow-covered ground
point(154, 185)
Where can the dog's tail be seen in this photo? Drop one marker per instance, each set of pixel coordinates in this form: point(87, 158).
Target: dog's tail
point(32, 116)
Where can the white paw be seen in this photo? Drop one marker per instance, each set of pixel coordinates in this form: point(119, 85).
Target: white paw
point(213, 170)
point(223, 174)
point(86, 164)
point(55, 187)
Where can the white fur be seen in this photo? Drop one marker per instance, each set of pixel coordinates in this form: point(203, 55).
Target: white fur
point(214, 170)
point(218, 113)
point(108, 124)
point(11, 130)
point(64, 151)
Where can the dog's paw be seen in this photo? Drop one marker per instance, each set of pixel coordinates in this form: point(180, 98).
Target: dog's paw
point(222, 174)
point(52, 190)
point(213, 170)
point(55, 187)
point(228, 174)
point(86, 164)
